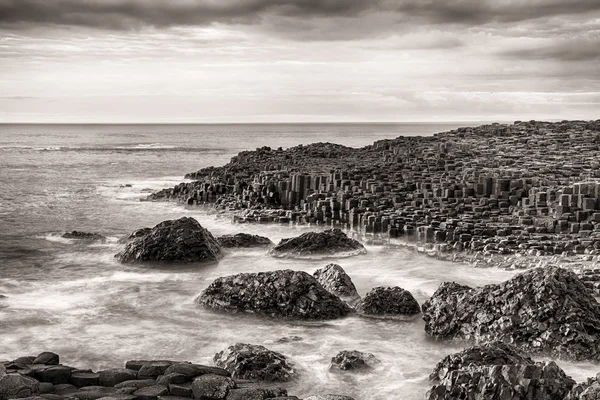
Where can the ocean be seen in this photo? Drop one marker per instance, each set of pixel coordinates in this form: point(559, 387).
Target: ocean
point(76, 300)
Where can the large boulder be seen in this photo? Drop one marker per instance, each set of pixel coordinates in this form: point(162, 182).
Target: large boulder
point(135, 234)
point(496, 371)
point(16, 385)
point(280, 294)
point(337, 282)
point(332, 242)
point(254, 362)
point(353, 360)
point(243, 240)
point(543, 310)
point(182, 240)
point(85, 236)
point(212, 387)
point(388, 302)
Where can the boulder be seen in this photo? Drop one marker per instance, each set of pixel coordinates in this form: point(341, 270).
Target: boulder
point(175, 241)
point(55, 374)
point(85, 236)
point(254, 362)
point(496, 371)
point(150, 392)
point(283, 294)
point(47, 358)
point(194, 370)
point(256, 394)
point(356, 361)
point(135, 234)
point(243, 240)
point(589, 390)
point(544, 310)
point(80, 379)
point(329, 243)
point(16, 385)
point(110, 377)
point(25, 360)
point(152, 370)
point(334, 279)
point(388, 302)
point(212, 387)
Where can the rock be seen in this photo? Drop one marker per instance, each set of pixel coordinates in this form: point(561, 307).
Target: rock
point(212, 387)
point(589, 390)
point(15, 385)
point(80, 379)
point(111, 377)
point(175, 241)
point(388, 302)
point(152, 370)
point(47, 358)
point(288, 339)
point(329, 397)
point(136, 365)
point(135, 234)
point(25, 360)
point(487, 354)
point(334, 279)
point(55, 374)
point(173, 377)
point(280, 294)
point(136, 384)
point(353, 361)
point(181, 389)
point(85, 236)
point(64, 389)
point(332, 242)
point(255, 394)
point(544, 310)
point(194, 370)
point(243, 240)
point(254, 362)
point(2, 370)
point(96, 392)
point(150, 392)
point(45, 388)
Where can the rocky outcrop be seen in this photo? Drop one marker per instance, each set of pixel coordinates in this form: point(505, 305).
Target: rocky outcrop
point(337, 282)
point(496, 371)
point(283, 294)
point(353, 360)
point(85, 236)
point(243, 240)
point(544, 310)
point(332, 242)
point(388, 302)
point(254, 362)
point(175, 241)
point(135, 234)
point(589, 390)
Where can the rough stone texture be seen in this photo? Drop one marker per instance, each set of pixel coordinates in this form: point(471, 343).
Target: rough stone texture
point(135, 234)
point(175, 241)
point(212, 387)
point(111, 377)
point(173, 377)
point(194, 370)
point(281, 294)
point(332, 242)
point(243, 240)
point(16, 385)
point(352, 360)
point(152, 370)
point(336, 281)
point(150, 392)
point(47, 358)
point(80, 379)
point(137, 384)
point(388, 302)
point(85, 236)
point(256, 394)
point(545, 310)
point(589, 390)
point(255, 362)
point(56, 374)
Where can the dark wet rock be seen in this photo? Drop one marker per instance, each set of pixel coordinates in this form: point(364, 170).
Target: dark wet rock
point(45, 388)
point(173, 377)
point(255, 362)
point(243, 240)
point(136, 365)
point(329, 397)
point(47, 358)
point(16, 385)
point(496, 371)
point(175, 241)
point(388, 302)
point(54, 374)
point(194, 370)
point(212, 387)
point(589, 390)
point(27, 360)
point(95, 393)
point(137, 384)
point(332, 242)
point(487, 354)
point(152, 370)
point(336, 281)
point(255, 394)
point(352, 360)
point(64, 389)
point(80, 379)
point(288, 339)
point(181, 389)
point(111, 377)
point(150, 392)
point(544, 310)
point(85, 236)
point(135, 234)
point(280, 294)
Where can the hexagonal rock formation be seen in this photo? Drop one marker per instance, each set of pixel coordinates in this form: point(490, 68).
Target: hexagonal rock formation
point(388, 302)
point(175, 241)
point(496, 372)
point(334, 279)
point(280, 294)
point(243, 240)
point(332, 242)
point(254, 362)
point(355, 361)
point(544, 310)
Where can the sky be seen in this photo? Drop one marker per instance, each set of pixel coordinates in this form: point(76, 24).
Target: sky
point(184, 61)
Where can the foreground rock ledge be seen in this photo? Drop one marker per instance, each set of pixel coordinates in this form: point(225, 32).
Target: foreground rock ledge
point(332, 242)
point(282, 294)
point(544, 310)
point(174, 241)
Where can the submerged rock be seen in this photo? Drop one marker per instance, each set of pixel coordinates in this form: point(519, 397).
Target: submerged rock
point(85, 236)
point(353, 361)
point(332, 242)
point(544, 310)
point(280, 294)
point(496, 371)
point(244, 240)
point(254, 362)
point(175, 241)
point(335, 280)
point(388, 302)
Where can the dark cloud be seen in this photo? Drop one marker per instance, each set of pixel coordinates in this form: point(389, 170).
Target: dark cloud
point(131, 14)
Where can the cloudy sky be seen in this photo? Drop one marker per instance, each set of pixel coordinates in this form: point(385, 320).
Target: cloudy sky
point(298, 60)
